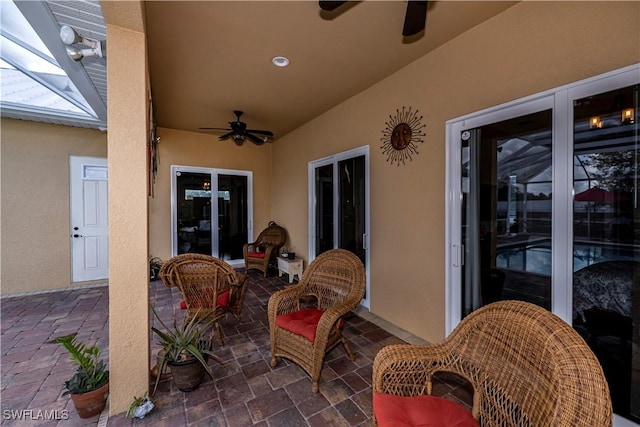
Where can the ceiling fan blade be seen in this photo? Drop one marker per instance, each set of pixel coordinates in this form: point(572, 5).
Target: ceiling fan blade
point(261, 132)
point(415, 18)
point(255, 139)
point(225, 129)
point(226, 136)
point(330, 5)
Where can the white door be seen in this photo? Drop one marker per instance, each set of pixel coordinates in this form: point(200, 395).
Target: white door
point(89, 231)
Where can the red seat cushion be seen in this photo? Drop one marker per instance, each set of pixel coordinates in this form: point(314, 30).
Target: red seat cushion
point(255, 254)
point(221, 301)
point(303, 322)
point(423, 411)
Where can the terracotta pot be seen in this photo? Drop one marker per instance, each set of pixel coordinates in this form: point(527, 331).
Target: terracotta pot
point(91, 403)
point(187, 375)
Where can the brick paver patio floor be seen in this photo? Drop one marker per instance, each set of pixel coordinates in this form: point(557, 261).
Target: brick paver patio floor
point(245, 391)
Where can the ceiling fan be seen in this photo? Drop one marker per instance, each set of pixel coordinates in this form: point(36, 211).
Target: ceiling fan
point(239, 132)
point(414, 19)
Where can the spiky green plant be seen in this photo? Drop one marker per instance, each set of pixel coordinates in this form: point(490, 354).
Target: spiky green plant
point(92, 372)
point(183, 342)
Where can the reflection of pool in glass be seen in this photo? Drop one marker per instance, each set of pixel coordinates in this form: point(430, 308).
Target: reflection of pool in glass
point(535, 256)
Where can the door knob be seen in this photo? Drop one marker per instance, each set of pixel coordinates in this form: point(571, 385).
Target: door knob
point(77, 235)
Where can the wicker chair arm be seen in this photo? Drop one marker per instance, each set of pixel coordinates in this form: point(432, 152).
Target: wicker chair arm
point(284, 301)
point(247, 247)
point(406, 370)
point(270, 250)
point(328, 321)
point(238, 280)
point(165, 274)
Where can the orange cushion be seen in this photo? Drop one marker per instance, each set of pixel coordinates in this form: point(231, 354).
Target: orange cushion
point(255, 254)
point(303, 322)
point(222, 300)
point(423, 411)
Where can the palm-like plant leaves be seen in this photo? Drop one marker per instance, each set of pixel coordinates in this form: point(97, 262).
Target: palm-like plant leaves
point(92, 372)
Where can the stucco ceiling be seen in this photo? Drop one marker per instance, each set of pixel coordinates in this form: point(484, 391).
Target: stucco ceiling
point(208, 58)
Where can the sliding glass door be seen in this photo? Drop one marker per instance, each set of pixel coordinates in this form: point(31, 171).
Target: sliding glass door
point(211, 211)
point(543, 206)
point(339, 206)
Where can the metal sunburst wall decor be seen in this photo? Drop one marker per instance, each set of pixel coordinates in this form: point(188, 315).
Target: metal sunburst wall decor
point(401, 136)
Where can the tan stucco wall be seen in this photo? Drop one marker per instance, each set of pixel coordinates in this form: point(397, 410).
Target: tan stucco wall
point(181, 148)
point(36, 248)
point(531, 47)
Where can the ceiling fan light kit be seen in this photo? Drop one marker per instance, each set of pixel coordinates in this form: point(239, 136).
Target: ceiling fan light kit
point(239, 133)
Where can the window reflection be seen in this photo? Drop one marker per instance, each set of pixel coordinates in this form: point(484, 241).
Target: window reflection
point(606, 229)
point(507, 211)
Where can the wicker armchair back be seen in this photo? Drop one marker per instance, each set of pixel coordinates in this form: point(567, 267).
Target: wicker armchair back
point(527, 368)
point(202, 280)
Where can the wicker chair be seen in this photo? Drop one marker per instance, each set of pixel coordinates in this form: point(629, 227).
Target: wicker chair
point(211, 288)
point(527, 368)
point(264, 250)
point(336, 279)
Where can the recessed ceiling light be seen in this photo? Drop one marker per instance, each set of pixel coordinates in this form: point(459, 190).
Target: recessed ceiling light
point(280, 61)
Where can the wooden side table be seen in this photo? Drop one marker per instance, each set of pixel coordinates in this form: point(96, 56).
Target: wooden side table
point(293, 267)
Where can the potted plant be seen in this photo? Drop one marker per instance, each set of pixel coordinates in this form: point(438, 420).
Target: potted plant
point(155, 264)
point(287, 253)
point(89, 386)
point(185, 351)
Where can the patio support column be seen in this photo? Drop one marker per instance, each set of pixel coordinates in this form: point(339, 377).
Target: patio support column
point(128, 210)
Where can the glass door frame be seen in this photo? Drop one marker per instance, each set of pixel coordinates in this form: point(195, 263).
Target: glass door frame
point(561, 101)
point(214, 173)
point(334, 160)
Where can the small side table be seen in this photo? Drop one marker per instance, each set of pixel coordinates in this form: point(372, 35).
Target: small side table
point(292, 267)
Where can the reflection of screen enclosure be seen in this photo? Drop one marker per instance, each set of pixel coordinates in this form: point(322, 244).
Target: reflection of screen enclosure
point(606, 238)
point(507, 206)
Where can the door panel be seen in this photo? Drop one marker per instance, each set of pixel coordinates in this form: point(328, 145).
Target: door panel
point(324, 192)
point(339, 209)
point(352, 206)
point(506, 206)
point(606, 238)
point(89, 218)
point(194, 213)
point(233, 228)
